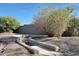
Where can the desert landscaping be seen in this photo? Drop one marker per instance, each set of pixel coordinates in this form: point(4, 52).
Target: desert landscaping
point(52, 32)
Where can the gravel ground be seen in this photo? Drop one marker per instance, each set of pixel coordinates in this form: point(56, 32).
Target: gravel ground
point(69, 46)
point(8, 47)
point(13, 49)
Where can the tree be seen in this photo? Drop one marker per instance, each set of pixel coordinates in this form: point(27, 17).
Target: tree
point(53, 22)
point(8, 24)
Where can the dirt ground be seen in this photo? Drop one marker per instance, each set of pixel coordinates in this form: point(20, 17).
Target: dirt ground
point(69, 46)
point(8, 46)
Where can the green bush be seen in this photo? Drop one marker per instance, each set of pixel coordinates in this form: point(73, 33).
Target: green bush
point(8, 24)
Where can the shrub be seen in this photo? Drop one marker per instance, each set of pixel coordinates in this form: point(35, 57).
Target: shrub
point(53, 22)
point(73, 29)
point(8, 24)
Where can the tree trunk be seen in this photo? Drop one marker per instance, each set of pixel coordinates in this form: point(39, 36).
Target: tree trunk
point(31, 50)
point(37, 43)
point(43, 45)
point(36, 50)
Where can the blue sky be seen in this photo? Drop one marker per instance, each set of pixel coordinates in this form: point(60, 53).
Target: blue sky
point(24, 12)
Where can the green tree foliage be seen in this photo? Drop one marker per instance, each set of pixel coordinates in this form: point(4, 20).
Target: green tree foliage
point(8, 24)
point(53, 22)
